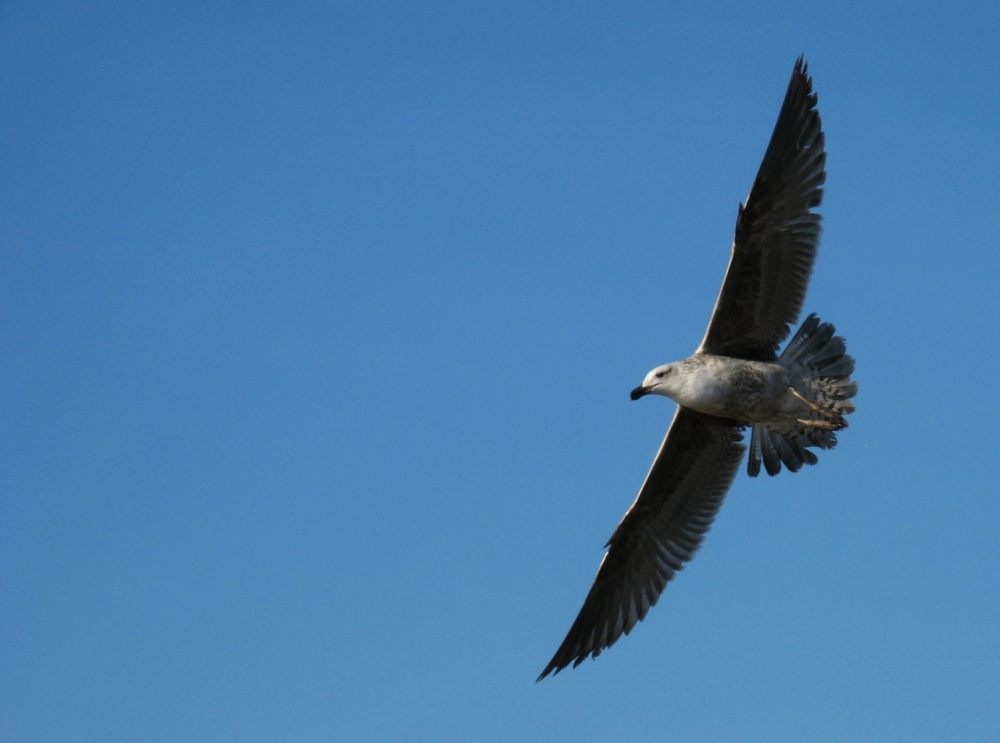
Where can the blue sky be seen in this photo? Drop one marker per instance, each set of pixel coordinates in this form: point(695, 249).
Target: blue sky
point(317, 327)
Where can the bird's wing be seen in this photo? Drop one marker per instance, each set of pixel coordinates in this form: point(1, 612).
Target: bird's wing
point(776, 235)
point(660, 532)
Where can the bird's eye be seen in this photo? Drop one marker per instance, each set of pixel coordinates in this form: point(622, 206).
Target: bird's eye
point(659, 375)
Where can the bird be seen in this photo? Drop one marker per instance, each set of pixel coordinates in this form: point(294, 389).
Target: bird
point(792, 402)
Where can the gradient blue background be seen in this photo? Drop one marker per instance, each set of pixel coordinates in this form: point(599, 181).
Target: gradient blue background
point(318, 327)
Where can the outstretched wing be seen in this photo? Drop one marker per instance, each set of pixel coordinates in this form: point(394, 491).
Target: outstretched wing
point(776, 235)
point(660, 532)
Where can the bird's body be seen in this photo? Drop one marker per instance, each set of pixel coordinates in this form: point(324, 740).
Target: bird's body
point(775, 395)
point(738, 389)
point(792, 402)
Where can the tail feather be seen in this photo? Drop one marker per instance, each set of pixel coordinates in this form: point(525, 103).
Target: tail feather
point(842, 367)
point(788, 458)
point(807, 341)
point(774, 449)
point(756, 454)
point(821, 363)
point(810, 458)
point(792, 455)
point(768, 449)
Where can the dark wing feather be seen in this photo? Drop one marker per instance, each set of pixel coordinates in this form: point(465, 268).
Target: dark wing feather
point(660, 532)
point(776, 235)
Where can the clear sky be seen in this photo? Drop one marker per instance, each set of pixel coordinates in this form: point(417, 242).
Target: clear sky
point(317, 327)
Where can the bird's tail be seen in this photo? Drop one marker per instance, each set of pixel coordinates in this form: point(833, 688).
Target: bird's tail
point(819, 361)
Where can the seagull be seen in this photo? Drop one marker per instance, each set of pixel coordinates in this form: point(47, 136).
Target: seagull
point(791, 402)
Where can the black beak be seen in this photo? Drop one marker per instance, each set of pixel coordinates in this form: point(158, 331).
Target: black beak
point(638, 392)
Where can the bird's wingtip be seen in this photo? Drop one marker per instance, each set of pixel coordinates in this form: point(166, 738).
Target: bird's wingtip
point(547, 671)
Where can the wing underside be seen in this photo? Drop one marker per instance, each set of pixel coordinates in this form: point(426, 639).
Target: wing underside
point(774, 250)
point(660, 532)
point(777, 235)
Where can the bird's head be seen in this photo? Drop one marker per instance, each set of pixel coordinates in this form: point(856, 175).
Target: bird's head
point(660, 381)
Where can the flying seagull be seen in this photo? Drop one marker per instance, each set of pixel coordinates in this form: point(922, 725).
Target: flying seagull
point(792, 402)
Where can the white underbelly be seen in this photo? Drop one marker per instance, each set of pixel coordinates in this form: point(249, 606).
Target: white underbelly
point(704, 391)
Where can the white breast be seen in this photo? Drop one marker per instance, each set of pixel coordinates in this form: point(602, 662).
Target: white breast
point(701, 387)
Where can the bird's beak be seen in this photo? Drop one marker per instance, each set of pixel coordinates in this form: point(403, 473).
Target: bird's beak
point(638, 392)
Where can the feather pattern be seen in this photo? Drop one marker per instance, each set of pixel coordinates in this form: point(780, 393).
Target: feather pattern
point(777, 235)
point(823, 369)
point(660, 532)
